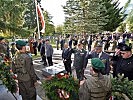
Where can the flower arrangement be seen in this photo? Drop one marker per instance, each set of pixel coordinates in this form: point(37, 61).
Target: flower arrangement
point(6, 75)
point(61, 87)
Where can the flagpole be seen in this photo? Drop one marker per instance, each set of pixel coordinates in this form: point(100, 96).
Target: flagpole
point(37, 20)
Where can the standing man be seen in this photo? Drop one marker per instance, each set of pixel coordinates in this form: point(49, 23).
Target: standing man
point(79, 61)
point(3, 46)
point(66, 56)
point(23, 67)
point(125, 64)
point(96, 86)
point(35, 46)
point(49, 52)
point(43, 53)
point(98, 53)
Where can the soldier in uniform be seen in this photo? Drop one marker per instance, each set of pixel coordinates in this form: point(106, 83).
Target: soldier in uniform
point(96, 86)
point(98, 53)
point(125, 64)
point(79, 60)
point(23, 67)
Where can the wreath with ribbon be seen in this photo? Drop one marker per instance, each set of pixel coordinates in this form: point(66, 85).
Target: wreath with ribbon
point(61, 87)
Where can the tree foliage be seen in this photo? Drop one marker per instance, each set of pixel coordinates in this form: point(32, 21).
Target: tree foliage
point(30, 16)
point(85, 16)
point(11, 16)
point(115, 14)
point(122, 88)
point(130, 21)
point(88, 16)
point(49, 29)
point(59, 29)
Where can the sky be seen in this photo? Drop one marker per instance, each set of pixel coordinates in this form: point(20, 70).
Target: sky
point(55, 9)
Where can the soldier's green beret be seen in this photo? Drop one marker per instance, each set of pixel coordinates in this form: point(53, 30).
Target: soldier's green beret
point(21, 43)
point(97, 63)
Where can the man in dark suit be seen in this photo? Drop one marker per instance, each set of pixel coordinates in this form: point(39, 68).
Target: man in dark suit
point(66, 56)
point(98, 53)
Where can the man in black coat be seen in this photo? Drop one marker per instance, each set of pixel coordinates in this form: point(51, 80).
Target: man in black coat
point(66, 56)
point(42, 53)
point(125, 64)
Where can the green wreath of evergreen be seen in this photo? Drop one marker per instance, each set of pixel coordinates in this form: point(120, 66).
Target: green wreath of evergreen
point(69, 85)
point(122, 88)
point(6, 76)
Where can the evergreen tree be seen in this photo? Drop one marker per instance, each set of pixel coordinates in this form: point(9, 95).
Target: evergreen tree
point(70, 9)
point(97, 16)
point(11, 17)
point(30, 16)
point(130, 21)
point(85, 16)
point(115, 14)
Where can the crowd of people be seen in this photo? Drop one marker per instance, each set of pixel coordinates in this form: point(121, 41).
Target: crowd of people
point(95, 47)
point(98, 86)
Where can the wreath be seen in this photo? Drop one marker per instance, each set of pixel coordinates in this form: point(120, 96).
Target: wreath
point(122, 88)
point(6, 74)
point(61, 87)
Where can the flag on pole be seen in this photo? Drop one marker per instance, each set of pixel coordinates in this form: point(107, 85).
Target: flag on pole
point(40, 14)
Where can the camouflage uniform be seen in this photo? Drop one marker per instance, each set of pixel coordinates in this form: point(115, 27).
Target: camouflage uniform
point(23, 67)
point(95, 88)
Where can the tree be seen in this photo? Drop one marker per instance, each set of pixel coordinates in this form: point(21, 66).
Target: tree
point(30, 16)
point(130, 21)
point(85, 16)
point(59, 29)
point(49, 26)
point(70, 25)
point(11, 17)
point(97, 17)
point(115, 14)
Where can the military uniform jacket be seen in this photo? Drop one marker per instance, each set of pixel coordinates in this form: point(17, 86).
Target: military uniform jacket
point(125, 66)
point(79, 58)
point(95, 89)
point(104, 57)
point(23, 67)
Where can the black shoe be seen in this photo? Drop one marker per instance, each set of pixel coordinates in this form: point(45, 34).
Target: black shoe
point(45, 64)
point(41, 61)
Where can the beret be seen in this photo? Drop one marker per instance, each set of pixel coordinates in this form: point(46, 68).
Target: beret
point(21, 43)
point(97, 63)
